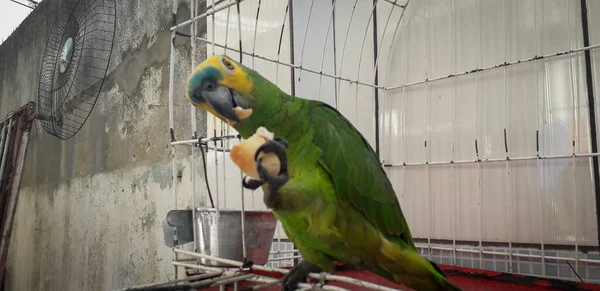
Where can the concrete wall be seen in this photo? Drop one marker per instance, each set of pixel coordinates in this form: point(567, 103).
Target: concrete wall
point(90, 208)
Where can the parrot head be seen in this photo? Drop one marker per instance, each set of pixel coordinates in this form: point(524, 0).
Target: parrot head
point(222, 87)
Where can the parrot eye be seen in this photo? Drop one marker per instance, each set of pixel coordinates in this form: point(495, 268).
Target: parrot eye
point(229, 68)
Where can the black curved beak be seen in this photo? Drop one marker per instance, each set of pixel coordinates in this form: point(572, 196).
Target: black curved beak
point(220, 99)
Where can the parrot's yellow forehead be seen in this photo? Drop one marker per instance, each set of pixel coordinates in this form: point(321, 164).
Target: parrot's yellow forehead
point(232, 75)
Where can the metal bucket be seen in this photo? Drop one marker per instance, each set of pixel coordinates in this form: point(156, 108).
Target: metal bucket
point(226, 241)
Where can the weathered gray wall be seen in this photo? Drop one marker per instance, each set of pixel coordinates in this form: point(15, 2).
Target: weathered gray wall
point(90, 208)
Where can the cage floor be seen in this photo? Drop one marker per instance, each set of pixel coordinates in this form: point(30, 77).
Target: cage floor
point(465, 278)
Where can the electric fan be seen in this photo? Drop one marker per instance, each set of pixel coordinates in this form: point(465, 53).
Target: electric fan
point(74, 65)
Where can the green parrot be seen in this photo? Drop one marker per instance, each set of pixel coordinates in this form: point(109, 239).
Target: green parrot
point(332, 196)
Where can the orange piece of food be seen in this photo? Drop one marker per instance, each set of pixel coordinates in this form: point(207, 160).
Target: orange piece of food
point(243, 154)
point(241, 114)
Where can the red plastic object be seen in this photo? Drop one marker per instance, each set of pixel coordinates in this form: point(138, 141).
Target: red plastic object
point(465, 278)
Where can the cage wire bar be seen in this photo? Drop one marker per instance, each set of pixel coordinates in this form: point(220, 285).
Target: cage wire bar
point(479, 250)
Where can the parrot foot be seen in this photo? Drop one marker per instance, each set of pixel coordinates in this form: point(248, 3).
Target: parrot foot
point(278, 146)
point(247, 265)
point(298, 275)
point(322, 280)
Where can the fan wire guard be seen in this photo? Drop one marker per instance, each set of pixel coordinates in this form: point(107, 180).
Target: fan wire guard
point(69, 85)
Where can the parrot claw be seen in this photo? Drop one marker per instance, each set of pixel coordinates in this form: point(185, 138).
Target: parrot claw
point(298, 275)
point(278, 146)
point(282, 141)
point(322, 280)
point(251, 183)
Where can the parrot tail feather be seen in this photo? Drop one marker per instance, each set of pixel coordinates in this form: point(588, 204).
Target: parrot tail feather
point(407, 267)
point(437, 268)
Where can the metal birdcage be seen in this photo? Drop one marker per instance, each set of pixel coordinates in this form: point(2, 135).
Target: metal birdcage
point(483, 115)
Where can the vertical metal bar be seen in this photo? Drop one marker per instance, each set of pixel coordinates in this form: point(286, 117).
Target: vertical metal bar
point(575, 137)
point(290, 12)
point(172, 59)
point(494, 260)
point(591, 107)
point(375, 90)
point(278, 224)
point(172, 125)
point(404, 119)
point(477, 125)
point(428, 131)
point(253, 59)
point(575, 209)
point(240, 30)
point(212, 38)
point(428, 170)
point(171, 114)
point(452, 166)
point(243, 218)
point(255, 30)
point(226, 45)
point(527, 136)
point(225, 127)
point(335, 71)
point(3, 141)
point(285, 17)
point(217, 208)
point(507, 183)
point(538, 161)
point(279, 248)
point(193, 121)
point(5, 150)
point(335, 56)
point(243, 212)
point(528, 164)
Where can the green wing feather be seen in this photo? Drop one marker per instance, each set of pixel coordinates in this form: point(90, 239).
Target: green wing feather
point(357, 175)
